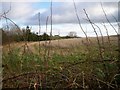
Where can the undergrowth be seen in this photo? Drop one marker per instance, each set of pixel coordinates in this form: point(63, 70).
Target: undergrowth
point(64, 68)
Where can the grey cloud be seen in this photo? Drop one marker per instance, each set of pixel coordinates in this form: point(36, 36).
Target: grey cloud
point(65, 13)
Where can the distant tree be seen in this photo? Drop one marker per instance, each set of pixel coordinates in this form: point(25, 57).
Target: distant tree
point(72, 34)
point(56, 37)
point(45, 36)
point(28, 32)
point(28, 35)
point(4, 36)
point(15, 34)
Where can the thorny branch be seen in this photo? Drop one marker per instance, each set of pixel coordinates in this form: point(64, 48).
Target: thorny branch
point(80, 21)
point(5, 13)
point(108, 19)
point(95, 33)
point(99, 30)
point(12, 22)
point(39, 30)
point(50, 30)
point(100, 49)
point(118, 35)
point(23, 74)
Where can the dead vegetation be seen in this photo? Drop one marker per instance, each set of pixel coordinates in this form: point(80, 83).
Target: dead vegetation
point(84, 63)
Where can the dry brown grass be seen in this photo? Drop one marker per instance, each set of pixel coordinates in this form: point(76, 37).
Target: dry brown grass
point(62, 43)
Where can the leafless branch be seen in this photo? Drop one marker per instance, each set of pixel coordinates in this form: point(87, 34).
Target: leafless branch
point(116, 21)
point(100, 49)
point(83, 81)
point(8, 30)
point(23, 74)
point(12, 22)
point(51, 20)
point(50, 30)
point(109, 42)
point(108, 19)
point(95, 33)
point(5, 13)
point(118, 64)
point(80, 21)
point(45, 54)
point(39, 30)
point(99, 30)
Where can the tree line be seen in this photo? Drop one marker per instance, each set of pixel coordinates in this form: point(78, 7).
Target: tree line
point(16, 34)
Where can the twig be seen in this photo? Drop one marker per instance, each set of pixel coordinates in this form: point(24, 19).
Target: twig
point(95, 33)
point(9, 46)
point(46, 63)
point(51, 20)
point(114, 77)
point(25, 40)
point(108, 19)
point(106, 83)
point(100, 50)
point(99, 30)
point(45, 56)
point(11, 21)
point(116, 21)
point(23, 74)
point(50, 31)
point(109, 42)
point(118, 35)
point(5, 13)
point(118, 38)
point(80, 25)
point(80, 21)
point(98, 83)
point(39, 30)
point(83, 79)
point(107, 33)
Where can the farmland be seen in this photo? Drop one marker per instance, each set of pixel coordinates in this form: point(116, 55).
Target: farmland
point(64, 63)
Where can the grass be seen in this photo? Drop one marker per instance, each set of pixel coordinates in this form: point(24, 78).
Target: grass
point(69, 65)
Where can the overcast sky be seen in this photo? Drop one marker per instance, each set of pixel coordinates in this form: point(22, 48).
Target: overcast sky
point(64, 17)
